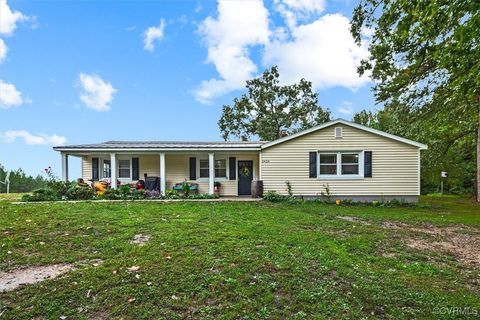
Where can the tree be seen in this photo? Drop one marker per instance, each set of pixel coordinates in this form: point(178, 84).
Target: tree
point(20, 182)
point(425, 56)
point(270, 110)
point(451, 145)
point(366, 118)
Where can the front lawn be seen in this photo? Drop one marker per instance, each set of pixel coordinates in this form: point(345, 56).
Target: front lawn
point(244, 260)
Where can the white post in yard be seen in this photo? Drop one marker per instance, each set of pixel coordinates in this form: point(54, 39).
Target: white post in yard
point(163, 178)
point(211, 172)
point(113, 176)
point(64, 166)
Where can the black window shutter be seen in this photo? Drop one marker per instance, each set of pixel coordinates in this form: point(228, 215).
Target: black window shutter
point(95, 169)
point(135, 169)
point(367, 169)
point(312, 172)
point(232, 168)
point(193, 168)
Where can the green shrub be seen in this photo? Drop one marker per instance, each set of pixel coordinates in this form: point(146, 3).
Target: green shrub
point(274, 196)
point(80, 193)
point(112, 194)
point(137, 194)
point(153, 194)
point(203, 196)
point(43, 194)
point(60, 187)
point(125, 191)
point(186, 188)
point(171, 194)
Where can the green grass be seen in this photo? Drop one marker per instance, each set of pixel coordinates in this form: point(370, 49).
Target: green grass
point(236, 261)
point(16, 196)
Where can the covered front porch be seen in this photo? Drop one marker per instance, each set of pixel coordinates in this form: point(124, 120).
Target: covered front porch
point(232, 170)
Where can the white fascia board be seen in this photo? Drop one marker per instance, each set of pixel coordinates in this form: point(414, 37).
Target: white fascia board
point(347, 123)
point(109, 150)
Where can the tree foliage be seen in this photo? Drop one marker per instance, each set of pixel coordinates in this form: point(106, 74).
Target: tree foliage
point(425, 60)
point(20, 182)
point(269, 109)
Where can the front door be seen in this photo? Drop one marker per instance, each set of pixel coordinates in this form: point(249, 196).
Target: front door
point(245, 177)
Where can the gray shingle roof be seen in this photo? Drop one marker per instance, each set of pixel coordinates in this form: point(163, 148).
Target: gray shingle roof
point(165, 145)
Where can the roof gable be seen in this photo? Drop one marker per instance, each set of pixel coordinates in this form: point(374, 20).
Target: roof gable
point(347, 123)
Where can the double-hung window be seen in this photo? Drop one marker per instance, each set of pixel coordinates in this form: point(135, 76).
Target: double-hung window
point(107, 169)
point(220, 168)
point(328, 163)
point(350, 162)
point(124, 168)
point(342, 164)
point(204, 168)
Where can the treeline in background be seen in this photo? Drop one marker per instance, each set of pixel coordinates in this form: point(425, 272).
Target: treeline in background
point(20, 182)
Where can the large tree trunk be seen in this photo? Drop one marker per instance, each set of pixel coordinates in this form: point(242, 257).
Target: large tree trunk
point(478, 153)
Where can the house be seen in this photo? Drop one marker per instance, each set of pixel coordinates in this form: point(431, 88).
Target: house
point(352, 161)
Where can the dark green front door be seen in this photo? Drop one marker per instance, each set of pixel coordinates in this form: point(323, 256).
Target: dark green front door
point(245, 177)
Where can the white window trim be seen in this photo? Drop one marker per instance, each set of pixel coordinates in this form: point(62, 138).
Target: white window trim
point(339, 175)
point(124, 179)
point(102, 162)
point(205, 179)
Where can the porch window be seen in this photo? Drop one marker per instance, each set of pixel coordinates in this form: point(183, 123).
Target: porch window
point(220, 168)
point(107, 169)
point(124, 168)
point(204, 168)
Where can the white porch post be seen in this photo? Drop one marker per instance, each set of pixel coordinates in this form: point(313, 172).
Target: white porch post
point(163, 178)
point(113, 176)
point(64, 167)
point(211, 172)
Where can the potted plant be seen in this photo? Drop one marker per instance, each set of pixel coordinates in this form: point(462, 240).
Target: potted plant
point(216, 187)
point(186, 188)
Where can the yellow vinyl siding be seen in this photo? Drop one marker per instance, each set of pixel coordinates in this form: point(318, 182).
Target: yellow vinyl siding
point(394, 164)
point(149, 164)
point(86, 167)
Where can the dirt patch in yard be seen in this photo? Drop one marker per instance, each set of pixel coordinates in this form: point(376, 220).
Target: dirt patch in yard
point(463, 247)
point(353, 219)
point(140, 239)
point(427, 228)
point(19, 277)
point(460, 241)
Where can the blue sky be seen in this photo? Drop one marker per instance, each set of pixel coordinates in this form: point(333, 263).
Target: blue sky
point(84, 71)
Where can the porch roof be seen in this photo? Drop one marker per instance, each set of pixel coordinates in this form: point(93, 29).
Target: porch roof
point(164, 146)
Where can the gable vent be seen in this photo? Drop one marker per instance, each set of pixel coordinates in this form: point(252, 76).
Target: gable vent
point(338, 132)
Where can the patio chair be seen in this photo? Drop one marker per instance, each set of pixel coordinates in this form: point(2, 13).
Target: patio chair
point(152, 183)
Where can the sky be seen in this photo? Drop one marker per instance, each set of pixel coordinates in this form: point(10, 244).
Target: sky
point(74, 72)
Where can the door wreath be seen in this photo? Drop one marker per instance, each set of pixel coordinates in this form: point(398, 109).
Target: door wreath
point(245, 171)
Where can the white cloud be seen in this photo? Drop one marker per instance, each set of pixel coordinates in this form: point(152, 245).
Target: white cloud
point(9, 96)
point(30, 139)
point(152, 34)
point(228, 37)
point(346, 108)
point(323, 52)
point(294, 10)
point(3, 50)
point(307, 45)
point(9, 18)
point(97, 94)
